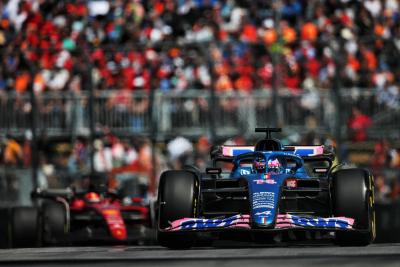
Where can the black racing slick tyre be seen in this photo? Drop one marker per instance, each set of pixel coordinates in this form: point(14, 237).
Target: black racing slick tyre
point(55, 225)
point(25, 227)
point(177, 199)
point(5, 234)
point(353, 197)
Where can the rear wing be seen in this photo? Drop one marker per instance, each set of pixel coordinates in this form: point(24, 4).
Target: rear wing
point(301, 151)
point(52, 193)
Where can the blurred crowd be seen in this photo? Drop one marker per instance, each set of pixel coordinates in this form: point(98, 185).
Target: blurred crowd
point(174, 45)
point(385, 165)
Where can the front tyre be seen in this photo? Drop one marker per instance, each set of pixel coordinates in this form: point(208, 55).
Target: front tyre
point(177, 198)
point(353, 197)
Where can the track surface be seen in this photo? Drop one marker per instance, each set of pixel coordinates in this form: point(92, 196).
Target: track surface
point(234, 255)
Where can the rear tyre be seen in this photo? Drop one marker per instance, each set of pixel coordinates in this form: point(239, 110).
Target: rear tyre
point(54, 223)
point(25, 230)
point(5, 235)
point(353, 197)
point(177, 199)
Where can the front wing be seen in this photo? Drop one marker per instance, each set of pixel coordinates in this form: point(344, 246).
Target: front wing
point(283, 221)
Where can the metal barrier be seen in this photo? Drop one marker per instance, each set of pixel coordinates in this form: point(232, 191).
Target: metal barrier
point(189, 112)
point(238, 114)
point(53, 113)
point(121, 111)
point(385, 114)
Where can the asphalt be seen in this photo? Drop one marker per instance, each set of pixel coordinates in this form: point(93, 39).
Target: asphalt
point(222, 255)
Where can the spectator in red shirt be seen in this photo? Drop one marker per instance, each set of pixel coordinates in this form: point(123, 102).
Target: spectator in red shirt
point(357, 124)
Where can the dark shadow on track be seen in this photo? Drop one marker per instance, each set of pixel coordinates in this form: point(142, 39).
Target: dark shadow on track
point(240, 255)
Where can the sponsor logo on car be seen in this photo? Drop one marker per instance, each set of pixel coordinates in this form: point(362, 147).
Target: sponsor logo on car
point(286, 220)
point(236, 221)
point(263, 200)
point(244, 172)
point(267, 212)
point(320, 222)
point(267, 181)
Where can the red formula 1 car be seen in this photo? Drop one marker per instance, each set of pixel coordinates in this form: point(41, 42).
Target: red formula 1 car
point(67, 217)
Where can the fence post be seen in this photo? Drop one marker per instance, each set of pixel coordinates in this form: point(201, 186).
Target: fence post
point(212, 100)
point(250, 114)
point(89, 85)
point(152, 109)
point(275, 57)
point(211, 114)
point(33, 123)
point(336, 96)
point(164, 112)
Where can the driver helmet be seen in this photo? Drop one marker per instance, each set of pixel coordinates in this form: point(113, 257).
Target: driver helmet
point(93, 197)
point(274, 166)
point(259, 165)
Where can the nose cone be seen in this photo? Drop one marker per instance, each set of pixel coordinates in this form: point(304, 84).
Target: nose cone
point(115, 223)
point(264, 193)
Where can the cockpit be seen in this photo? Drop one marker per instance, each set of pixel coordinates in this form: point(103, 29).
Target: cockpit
point(266, 162)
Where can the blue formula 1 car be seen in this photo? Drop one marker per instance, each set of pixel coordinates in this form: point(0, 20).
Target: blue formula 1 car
point(259, 191)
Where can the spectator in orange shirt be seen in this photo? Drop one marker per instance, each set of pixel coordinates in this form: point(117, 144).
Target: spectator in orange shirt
point(224, 84)
point(309, 32)
point(21, 82)
point(289, 35)
point(13, 153)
